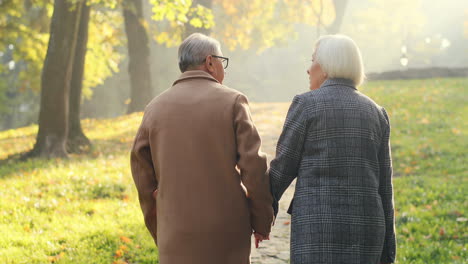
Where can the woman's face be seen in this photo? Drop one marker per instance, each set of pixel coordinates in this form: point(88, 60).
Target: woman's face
point(316, 75)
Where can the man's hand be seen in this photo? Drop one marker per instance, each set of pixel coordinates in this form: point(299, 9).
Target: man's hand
point(259, 238)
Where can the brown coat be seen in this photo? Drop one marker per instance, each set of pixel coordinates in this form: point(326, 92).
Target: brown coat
point(189, 143)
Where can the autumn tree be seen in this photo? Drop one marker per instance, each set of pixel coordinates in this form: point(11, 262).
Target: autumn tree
point(105, 40)
point(193, 24)
point(76, 139)
point(340, 9)
point(243, 24)
point(183, 16)
point(56, 79)
point(177, 19)
point(24, 31)
point(25, 27)
point(138, 55)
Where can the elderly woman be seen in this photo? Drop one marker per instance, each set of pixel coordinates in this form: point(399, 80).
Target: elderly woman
point(335, 141)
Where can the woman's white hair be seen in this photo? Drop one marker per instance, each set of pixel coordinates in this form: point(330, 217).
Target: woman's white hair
point(339, 57)
point(195, 48)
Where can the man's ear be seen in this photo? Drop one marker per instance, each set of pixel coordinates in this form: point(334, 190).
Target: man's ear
point(209, 63)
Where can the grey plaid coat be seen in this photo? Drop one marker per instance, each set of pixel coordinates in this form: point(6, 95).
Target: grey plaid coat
point(335, 141)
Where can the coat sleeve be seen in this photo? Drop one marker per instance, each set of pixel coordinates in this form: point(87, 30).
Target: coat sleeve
point(386, 194)
point(253, 165)
point(284, 168)
point(145, 178)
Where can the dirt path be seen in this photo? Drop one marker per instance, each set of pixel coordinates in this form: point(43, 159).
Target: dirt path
point(276, 250)
point(269, 120)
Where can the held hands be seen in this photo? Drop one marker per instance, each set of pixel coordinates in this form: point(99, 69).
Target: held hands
point(259, 238)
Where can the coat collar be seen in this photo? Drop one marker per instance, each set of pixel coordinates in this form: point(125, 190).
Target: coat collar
point(338, 82)
point(196, 74)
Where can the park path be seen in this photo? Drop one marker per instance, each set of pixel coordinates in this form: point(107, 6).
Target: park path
point(276, 250)
point(269, 119)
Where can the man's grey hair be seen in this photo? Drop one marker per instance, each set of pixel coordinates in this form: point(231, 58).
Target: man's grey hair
point(339, 57)
point(195, 48)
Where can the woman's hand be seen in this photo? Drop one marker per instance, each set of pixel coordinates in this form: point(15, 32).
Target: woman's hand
point(259, 238)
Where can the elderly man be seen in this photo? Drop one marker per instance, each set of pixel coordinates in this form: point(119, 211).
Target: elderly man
point(195, 147)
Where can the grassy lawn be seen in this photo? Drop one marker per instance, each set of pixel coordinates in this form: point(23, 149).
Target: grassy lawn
point(85, 209)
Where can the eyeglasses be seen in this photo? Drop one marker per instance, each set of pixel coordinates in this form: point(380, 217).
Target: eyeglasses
point(224, 60)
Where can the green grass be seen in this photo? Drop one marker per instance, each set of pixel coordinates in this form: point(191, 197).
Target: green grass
point(80, 210)
point(429, 121)
point(85, 209)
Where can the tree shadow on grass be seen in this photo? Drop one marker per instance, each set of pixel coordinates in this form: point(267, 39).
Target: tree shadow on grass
point(17, 163)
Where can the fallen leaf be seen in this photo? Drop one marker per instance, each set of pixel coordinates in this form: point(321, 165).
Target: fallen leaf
point(408, 170)
point(456, 131)
point(123, 248)
point(55, 258)
point(424, 121)
point(125, 239)
point(457, 213)
point(442, 231)
point(118, 253)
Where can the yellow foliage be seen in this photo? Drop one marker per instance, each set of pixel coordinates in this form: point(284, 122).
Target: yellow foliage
point(196, 22)
point(312, 12)
point(105, 37)
point(243, 24)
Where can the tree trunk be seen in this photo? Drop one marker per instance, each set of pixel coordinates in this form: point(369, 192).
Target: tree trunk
point(189, 29)
point(340, 8)
point(77, 140)
point(139, 55)
point(55, 82)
